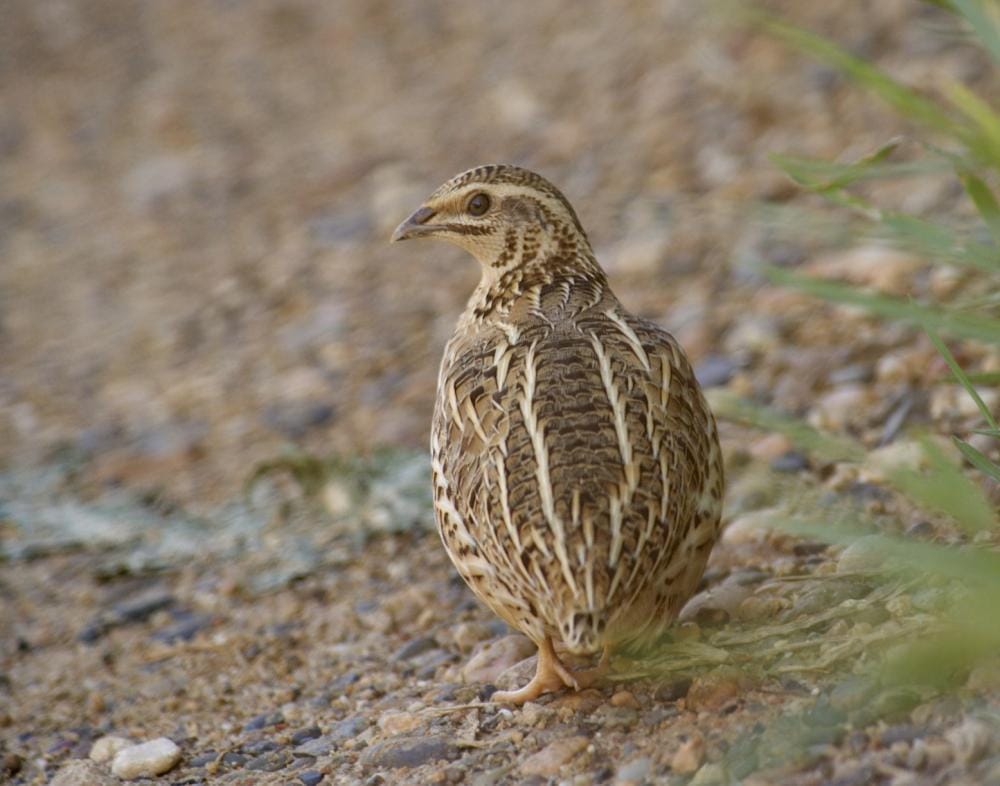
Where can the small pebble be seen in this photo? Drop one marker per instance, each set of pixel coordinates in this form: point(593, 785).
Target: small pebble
point(715, 370)
point(792, 461)
point(414, 647)
point(842, 406)
point(554, 756)
point(534, 714)
point(203, 758)
point(264, 720)
point(916, 758)
point(770, 446)
point(884, 269)
point(716, 605)
point(634, 771)
point(864, 554)
point(584, 701)
point(308, 733)
point(610, 718)
point(410, 751)
point(674, 690)
point(900, 751)
point(625, 698)
point(310, 777)
point(761, 607)
point(320, 746)
point(751, 528)
point(11, 764)
point(346, 729)
point(971, 739)
point(710, 775)
point(183, 629)
point(468, 634)
point(689, 756)
point(147, 759)
point(495, 657)
point(855, 372)
point(83, 772)
point(712, 690)
point(393, 723)
point(106, 748)
point(271, 761)
point(938, 754)
point(234, 759)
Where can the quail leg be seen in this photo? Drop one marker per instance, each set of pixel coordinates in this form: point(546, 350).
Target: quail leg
point(587, 678)
point(550, 675)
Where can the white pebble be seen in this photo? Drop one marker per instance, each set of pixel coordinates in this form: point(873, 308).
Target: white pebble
point(636, 770)
point(150, 758)
point(971, 739)
point(105, 748)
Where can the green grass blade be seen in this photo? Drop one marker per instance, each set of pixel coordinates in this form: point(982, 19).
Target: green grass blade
point(818, 174)
point(965, 564)
point(944, 488)
point(985, 202)
point(982, 24)
point(978, 460)
point(961, 376)
point(983, 377)
point(905, 100)
point(915, 234)
point(964, 325)
point(810, 172)
point(827, 446)
point(983, 136)
point(936, 241)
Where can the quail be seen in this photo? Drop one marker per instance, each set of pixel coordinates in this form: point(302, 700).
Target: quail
point(577, 474)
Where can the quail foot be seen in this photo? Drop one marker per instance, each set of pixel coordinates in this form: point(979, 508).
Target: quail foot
point(577, 473)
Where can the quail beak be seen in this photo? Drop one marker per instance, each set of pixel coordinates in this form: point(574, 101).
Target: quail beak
point(416, 225)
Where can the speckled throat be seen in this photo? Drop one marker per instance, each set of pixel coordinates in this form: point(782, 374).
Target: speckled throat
point(537, 259)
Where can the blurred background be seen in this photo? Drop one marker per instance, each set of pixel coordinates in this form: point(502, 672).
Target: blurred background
point(198, 300)
point(195, 200)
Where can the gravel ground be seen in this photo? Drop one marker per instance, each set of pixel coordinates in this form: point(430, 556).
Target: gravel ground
point(196, 290)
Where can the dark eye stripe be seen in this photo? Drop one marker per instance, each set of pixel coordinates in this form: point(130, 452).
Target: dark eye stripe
point(466, 229)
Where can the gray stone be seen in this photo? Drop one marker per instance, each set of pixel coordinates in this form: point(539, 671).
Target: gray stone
point(320, 746)
point(348, 728)
point(295, 419)
point(272, 761)
point(185, 628)
point(410, 752)
point(264, 720)
point(715, 370)
point(308, 733)
point(414, 647)
point(792, 461)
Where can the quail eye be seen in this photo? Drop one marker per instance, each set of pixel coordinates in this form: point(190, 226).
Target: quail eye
point(478, 205)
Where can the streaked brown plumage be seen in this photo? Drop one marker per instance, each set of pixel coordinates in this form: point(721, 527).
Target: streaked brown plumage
point(577, 471)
